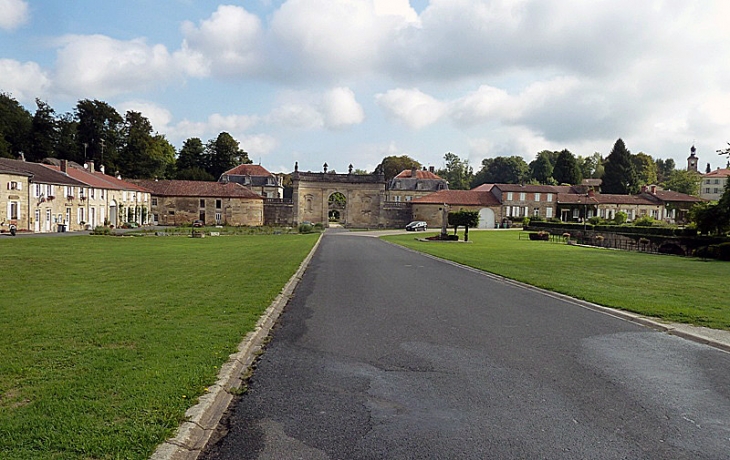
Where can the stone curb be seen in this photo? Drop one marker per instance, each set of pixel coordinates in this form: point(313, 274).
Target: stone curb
point(715, 338)
point(202, 419)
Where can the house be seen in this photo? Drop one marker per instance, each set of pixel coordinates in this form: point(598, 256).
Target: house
point(414, 183)
point(257, 179)
point(675, 206)
point(519, 201)
point(575, 207)
point(14, 186)
point(430, 208)
point(713, 184)
point(42, 206)
point(176, 202)
point(104, 199)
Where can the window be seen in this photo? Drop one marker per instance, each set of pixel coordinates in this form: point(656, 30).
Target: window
point(409, 198)
point(13, 185)
point(396, 198)
point(716, 190)
point(124, 195)
point(202, 203)
point(576, 213)
point(717, 181)
point(707, 182)
point(37, 192)
point(81, 216)
point(549, 213)
point(537, 197)
point(49, 190)
point(14, 210)
point(536, 212)
point(101, 194)
point(170, 213)
point(218, 204)
point(550, 197)
point(92, 193)
point(154, 201)
point(707, 190)
point(522, 196)
point(509, 196)
point(218, 218)
point(515, 211)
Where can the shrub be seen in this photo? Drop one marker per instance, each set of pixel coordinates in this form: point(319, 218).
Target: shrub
point(645, 221)
point(319, 226)
point(723, 251)
point(101, 231)
point(620, 218)
point(305, 228)
point(595, 220)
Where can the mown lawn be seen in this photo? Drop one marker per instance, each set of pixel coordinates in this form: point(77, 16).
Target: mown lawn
point(671, 288)
point(107, 341)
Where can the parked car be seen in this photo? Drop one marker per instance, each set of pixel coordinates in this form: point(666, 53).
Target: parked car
point(417, 226)
point(198, 223)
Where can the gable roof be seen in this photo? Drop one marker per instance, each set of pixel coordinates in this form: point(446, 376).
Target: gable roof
point(96, 179)
point(420, 174)
point(670, 196)
point(459, 197)
point(248, 170)
point(40, 173)
point(529, 188)
point(718, 173)
point(191, 188)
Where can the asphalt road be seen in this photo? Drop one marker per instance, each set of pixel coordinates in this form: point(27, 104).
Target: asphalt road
point(386, 354)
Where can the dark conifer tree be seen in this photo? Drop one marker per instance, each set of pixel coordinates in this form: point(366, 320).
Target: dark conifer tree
point(620, 176)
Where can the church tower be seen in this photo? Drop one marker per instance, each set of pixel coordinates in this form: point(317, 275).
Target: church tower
point(692, 160)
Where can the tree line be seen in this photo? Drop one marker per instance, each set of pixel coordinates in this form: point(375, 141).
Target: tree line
point(621, 171)
point(127, 145)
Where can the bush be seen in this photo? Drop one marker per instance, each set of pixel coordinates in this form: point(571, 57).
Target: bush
point(540, 236)
point(595, 220)
point(319, 226)
point(645, 221)
point(99, 230)
point(535, 219)
point(305, 228)
point(620, 218)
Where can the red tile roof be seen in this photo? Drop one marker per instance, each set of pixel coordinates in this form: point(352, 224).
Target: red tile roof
point(718, 173)
point(192, 188)
point(248, 170)
point(96, 179)
point(483, 188)
point(668, 195)
point(459, 197)
point(41, 174)
point(420, 174)
point(529, 188)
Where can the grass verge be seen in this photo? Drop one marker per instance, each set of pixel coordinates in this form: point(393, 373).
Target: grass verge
point(107, 341)
point(674, 289)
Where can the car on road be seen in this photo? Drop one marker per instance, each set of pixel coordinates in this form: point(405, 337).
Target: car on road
point(417, 226)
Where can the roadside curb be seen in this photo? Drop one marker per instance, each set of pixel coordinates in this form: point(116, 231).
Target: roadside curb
point(715, 338)
point(202, 419)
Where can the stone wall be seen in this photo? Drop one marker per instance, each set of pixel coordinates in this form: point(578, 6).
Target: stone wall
point(278, 213)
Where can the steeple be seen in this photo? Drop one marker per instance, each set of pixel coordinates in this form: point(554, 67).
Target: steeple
point(692, 160)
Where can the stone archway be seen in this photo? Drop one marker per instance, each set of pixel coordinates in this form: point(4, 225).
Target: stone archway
point(336, 207)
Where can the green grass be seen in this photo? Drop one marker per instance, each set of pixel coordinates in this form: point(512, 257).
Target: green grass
point(675, 289)
point(107, 341)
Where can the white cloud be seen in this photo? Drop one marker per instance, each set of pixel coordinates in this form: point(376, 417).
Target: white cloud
point(14, 14)
point(305, 110)
point(412, 107)
point(159, 117)
point(258, 145)
point(341, 109)
point(24, 81)
point(99, 66)
point(227, 43)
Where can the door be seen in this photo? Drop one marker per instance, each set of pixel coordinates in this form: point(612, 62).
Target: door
point(37, 221)
point(486, 218)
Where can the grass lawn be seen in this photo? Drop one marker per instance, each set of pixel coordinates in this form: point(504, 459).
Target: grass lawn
point(107, 341)
point(671, 288)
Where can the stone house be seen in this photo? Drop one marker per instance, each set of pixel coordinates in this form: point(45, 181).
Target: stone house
point(414, 183)
point(180, 202)
point(430, 208)
point(103, 199)
point(520, 201)
point(574, 207)
point(257, 179)
point(713, 184)
point(14, 186)
point(47, 208)
point(675, 206)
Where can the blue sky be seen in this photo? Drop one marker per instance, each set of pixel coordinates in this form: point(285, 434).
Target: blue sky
point(351, 81)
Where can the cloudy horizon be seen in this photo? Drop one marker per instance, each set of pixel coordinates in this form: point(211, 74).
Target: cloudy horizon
point(351, 81)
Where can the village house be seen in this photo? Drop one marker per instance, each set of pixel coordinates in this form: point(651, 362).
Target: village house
point(41, 205)
point(430, 208)
point(713, 184)
point(180, 202)
point(414, 183)
point(14, 186)
point(520, 201)
point(257, 179)
point(104, 199)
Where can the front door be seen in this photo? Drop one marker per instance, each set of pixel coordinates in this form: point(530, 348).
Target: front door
point(47, 227)
point(37, 221)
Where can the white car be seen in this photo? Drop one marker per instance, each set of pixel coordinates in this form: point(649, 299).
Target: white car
point(417, 226)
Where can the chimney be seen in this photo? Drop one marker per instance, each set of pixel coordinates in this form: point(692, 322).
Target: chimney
point(653, 189)
point(90, 164)
point(64, 166)
point(101, 168)
point(413, 172)
point(644, 189)
point(432, 169)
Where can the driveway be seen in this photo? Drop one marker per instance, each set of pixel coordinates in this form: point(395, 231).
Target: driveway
point(383, 353)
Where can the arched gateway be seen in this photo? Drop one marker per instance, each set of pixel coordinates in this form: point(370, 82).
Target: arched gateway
point(353, 200)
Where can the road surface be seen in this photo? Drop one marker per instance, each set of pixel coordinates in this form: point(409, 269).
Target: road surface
point(387, 354)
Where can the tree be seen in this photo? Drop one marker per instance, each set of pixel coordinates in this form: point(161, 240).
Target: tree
point(224, 153)
point(619, 176)
point(43, 134)
point(501, 170)
point(646, 168)
point(541, 168)
point(592, 166)
point(664, 168)
point(192, 161)
point(464, 219)
point(100, 129)
point(68, 147)
point(15, 127)
point(683, 181)
point(393, 165)
point(457, 172)
point(566, 170)
point(134, 158)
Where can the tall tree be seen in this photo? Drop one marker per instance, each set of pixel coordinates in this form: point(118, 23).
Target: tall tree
point(541, 168)
point(619, 176)
point(664, 169)
point(135, 160)
point(193, 162)
point(68, 146)
point(591, 166)
point(393, 165)
point(683, 181)
point(15, 127)
point(43, 133)
point(457, 172)
point(566, 170)
point(646, 168)
point(99, 131)
point(501, 170)
point(224, 153)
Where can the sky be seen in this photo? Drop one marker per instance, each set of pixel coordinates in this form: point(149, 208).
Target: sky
point(353, 81)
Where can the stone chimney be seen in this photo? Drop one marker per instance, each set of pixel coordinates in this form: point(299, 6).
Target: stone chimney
point(432, 169)
point(652, 189)
point(64, 166)
point(90, 165)
point(101, 168)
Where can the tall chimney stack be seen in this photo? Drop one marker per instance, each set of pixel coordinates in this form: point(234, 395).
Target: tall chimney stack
point(64, 166)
